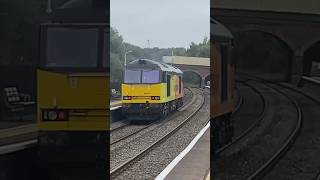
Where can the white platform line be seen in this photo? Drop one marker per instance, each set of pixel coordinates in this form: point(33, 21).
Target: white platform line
point(114, 108)
point(176, 160)
point(17, 146)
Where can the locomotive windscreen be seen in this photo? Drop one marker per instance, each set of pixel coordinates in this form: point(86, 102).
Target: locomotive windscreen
point(142, 76)
point(67, 47)
point(131, 76)
point(152, 76)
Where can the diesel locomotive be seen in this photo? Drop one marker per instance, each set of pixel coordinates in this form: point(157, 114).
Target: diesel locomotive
point(223, 87)
point(151, 89)
point(73, 84)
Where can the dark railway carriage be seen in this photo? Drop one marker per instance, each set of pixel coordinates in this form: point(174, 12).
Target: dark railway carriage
point(151, 90)
point(223, 86)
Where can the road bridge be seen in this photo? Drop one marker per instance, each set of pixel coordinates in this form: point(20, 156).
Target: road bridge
point(294, 23)
point(197, 65)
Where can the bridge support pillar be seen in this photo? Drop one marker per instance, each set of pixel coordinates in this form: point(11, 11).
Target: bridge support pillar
point(296, 69)
point(203, 82)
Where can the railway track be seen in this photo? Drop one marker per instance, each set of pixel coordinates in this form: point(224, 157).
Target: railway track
point(253, 125)
point(140, 129)
point(266, 167)
point(298, 158)
point(253, 165)
point(120, 126)
point(118, 169)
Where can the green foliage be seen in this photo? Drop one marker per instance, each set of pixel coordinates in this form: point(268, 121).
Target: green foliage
point(118, 48)
point(199, 50)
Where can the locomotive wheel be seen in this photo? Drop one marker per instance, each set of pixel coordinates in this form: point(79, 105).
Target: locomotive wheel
point(164, 111)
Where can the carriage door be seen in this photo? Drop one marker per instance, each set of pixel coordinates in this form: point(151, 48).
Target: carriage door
point(168, 85)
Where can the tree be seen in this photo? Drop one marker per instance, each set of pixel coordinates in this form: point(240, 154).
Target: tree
point(118, 47)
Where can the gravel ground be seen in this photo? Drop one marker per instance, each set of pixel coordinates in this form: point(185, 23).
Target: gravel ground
point(118, 124)
point(247, 155)
point(118, 134)
point(302, 161)
point(126, 149)
point(114, 136)
point(156, 160)
point(311, 89)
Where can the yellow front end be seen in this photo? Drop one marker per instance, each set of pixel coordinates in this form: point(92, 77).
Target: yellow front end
point(142, 93)
point(82, 134)
point(83, 95)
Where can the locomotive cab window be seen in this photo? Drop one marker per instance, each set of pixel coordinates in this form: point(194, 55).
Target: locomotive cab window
point(68, 47)
point(74, 47)
point(152, 76)
point(132, 76)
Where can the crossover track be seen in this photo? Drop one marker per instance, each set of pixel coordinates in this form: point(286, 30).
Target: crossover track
point(127, 163)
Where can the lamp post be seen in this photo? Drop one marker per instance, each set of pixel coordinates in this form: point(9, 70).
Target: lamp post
point(125, 57)
point(49, 7)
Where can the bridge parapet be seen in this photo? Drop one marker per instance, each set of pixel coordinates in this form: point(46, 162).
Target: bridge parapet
point(198, 65)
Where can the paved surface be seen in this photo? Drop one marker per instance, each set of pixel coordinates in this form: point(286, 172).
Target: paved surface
point(18, 127)
point(316, 78)
point(115, 103)
point(196, 163)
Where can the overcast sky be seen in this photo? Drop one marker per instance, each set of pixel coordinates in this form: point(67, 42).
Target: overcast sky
point(165, 23)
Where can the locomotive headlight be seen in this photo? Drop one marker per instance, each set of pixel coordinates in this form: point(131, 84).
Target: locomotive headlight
point(52, 115)
point(155, 97)
point(55, 115)
point(127, 97)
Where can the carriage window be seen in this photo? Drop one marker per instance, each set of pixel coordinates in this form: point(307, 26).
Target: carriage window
point(131, 76)
point(150, 76)
point(69, 47)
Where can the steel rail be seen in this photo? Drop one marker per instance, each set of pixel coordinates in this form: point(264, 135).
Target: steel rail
point(252, 127)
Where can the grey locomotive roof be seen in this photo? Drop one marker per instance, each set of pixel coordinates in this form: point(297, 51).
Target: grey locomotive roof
point(217, 30)
point(147, 63)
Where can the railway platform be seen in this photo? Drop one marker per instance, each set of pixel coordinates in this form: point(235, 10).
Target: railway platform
point(192, 163)
point(17, 135)
point(20, 134)
point(115, 104)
